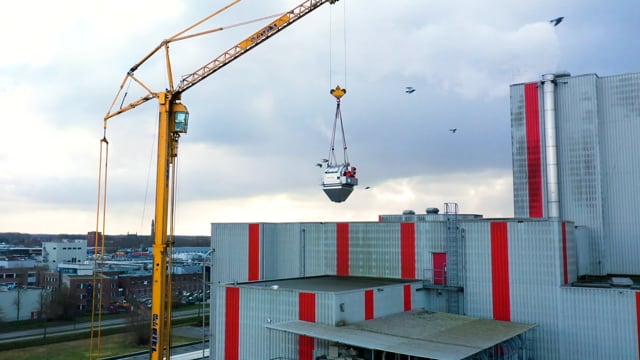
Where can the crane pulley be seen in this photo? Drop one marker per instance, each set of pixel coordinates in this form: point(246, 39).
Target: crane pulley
point(339, 178)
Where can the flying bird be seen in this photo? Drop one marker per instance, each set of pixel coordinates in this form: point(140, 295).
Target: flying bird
point(409, 90)
point(319, 165)
point(556, 21)
point(453, 131)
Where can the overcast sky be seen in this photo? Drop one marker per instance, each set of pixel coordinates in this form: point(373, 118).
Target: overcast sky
point(259, 125)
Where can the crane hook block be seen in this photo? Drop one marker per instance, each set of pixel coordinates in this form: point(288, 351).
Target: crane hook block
point(338, 92)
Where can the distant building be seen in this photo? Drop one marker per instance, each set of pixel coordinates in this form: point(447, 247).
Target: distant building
point(69, 251)
point(15, 273)
point(20, 303)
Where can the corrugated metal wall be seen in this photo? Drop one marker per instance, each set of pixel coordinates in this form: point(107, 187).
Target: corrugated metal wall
point(596, 324)
point(282, 254)
point(477, 287)
point(320, 249)
point(519, 152)
point(579, 163)
point(620, 167)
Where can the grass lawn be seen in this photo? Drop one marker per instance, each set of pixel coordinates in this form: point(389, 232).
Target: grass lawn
point(111, 345)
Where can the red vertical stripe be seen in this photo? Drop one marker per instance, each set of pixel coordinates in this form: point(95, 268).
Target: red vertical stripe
point(306, 312)
point(565, 261)
point(500, 271)
point(407, 298)
point(342, 249)
point(232, 324)
point(534, 154)
point(408, 250)
point(254, 252)
point(368, 304)
point(638, 320)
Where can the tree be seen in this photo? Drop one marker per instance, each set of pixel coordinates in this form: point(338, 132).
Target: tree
point(21, 280)
point(139, 322)
point(17, 301)
point(62, 305)
point(45, 302)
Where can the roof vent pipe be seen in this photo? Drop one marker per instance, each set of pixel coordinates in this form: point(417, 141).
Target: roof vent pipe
point(551, 158)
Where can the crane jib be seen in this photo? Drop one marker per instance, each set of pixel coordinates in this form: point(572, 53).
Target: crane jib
point(265, 31)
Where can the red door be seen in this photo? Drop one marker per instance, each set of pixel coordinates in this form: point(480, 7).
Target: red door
point(440, 268)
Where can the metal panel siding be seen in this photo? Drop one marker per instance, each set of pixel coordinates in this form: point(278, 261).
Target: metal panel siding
point(536, 274)
point(638, 320)
point(230, 256)
point(579, 161)
point(260, 306)
point(282, 251)
point(619, 108)
point(534, 150)
point(430, 238)
point(408, 250)
point(407, 298)
point(307, 312)
point(596, 324)
point(368, 305)
point(519, 152)
point(232, 324)
point(583, 250)
point(319, 249)
point(565, 260)
point(253, 253)
point(500, 271)
point(342, 249)
point(477, 285)
point(375, 249)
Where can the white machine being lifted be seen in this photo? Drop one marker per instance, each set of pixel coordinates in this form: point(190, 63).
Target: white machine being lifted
point(338, 179)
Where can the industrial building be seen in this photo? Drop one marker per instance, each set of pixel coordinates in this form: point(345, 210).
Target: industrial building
point(557, 281)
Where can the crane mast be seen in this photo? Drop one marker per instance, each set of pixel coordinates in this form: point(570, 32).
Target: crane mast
point(173, 121)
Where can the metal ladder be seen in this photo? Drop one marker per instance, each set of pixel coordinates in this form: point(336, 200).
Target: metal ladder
point(453, 255)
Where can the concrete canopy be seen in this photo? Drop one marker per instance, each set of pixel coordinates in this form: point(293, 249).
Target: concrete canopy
point(417, 333)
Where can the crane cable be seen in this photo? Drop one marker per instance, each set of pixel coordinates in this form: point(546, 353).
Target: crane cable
point(171, 241)
point(344, 44)
point(338, 92)
point(332, 156)
point(99, 247)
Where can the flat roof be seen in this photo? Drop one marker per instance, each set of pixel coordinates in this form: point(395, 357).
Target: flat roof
point(330, 283)
point(419, 333)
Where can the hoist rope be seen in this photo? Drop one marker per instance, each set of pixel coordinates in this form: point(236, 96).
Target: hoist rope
point(99, 244)
point(171, 241)
point(338, 115)
point(344, 45)
point(332, 156)
point(146, 189)
point(344, 35)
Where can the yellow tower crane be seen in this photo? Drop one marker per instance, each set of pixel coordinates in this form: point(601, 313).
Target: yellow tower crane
point(173, 121)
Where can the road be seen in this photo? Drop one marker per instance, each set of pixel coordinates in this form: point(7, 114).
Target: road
point(76, 328)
